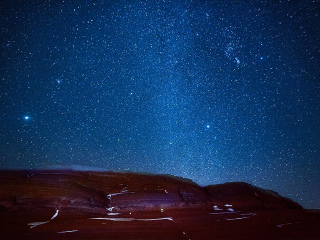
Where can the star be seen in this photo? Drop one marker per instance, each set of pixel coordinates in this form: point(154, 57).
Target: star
point(146, 87)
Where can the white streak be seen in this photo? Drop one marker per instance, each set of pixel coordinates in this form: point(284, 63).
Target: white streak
point(113, 214)
point(110, 209)
point(115, 219)
point(122, 192)
point(34, 224)
point(68, 231)
point(224, 212)
point(155, 219)
point(248, 214)
point(56, 214)
point(285, 224)
point(216, 208)
point(237, 218)
point(133, 219)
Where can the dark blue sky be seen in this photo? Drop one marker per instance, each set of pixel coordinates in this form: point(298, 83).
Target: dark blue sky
point(214, 91)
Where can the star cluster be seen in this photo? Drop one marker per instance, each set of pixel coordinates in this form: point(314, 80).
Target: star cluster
point(214, 91)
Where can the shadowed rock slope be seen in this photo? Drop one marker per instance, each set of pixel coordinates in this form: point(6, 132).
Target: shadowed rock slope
point(246, 196)
point(127, 191)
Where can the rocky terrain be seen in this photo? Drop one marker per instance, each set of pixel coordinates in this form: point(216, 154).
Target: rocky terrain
point(64, 204)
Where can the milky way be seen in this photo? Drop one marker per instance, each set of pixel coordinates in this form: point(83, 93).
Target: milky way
point(214, 91)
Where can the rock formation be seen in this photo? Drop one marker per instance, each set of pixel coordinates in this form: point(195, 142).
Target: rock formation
point(246, 196)
point(124, 191)
point(63, 204)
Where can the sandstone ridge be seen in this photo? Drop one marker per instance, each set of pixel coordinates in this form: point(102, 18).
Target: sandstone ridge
point(128, 191)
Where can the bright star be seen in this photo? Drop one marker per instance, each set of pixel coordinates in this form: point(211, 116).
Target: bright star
point(208, 126)
point(26, 117)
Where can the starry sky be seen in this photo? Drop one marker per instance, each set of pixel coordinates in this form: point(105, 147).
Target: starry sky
point(215, 91)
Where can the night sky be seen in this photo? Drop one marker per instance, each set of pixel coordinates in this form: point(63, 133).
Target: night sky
point(215, 91)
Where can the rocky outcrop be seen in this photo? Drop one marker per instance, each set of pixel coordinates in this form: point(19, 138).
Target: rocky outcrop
point(123, 191)
point(242, 195)
point(106, 205)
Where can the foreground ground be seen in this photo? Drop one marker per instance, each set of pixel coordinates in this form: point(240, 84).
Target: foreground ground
point(192, 224)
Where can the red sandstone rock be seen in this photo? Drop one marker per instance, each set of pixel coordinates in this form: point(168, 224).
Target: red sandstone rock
point(246, 196)
point(106, 205)
point(98, 190)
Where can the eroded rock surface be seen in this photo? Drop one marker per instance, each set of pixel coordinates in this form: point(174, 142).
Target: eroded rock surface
point(107, 205)
point(246, 196)
point(128, 191)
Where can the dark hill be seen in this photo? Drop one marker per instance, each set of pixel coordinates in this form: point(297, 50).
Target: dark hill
point(65, 204)
point(92, 190)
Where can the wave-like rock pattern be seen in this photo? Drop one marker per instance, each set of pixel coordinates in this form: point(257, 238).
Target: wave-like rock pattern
point(123, 191)
point(61, 204)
